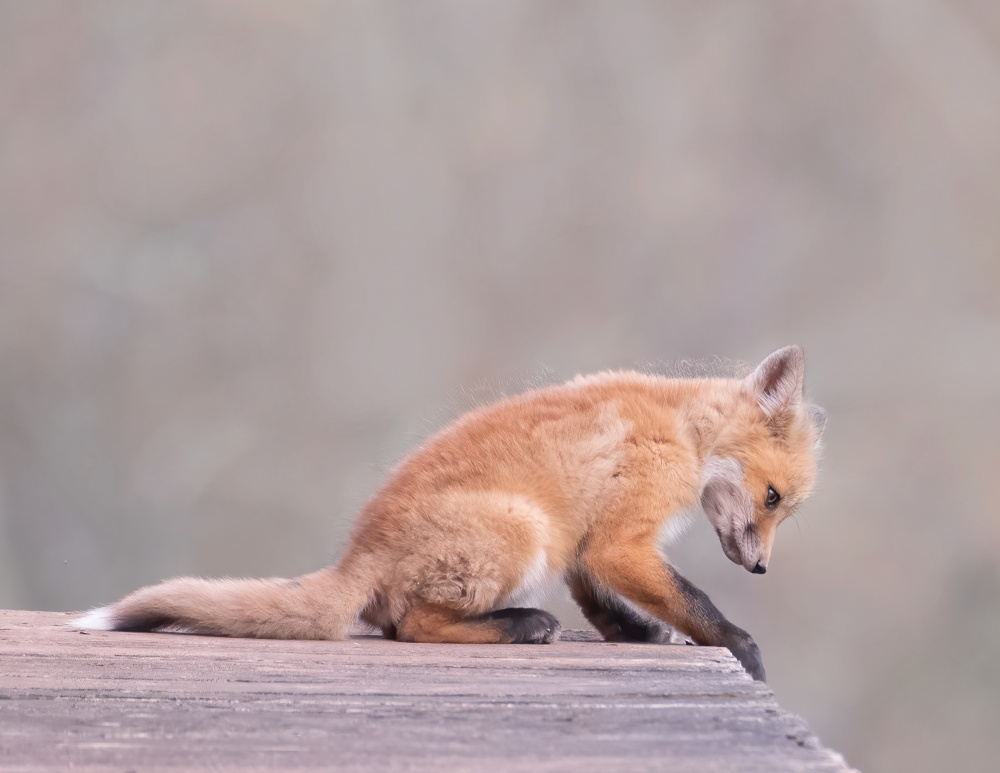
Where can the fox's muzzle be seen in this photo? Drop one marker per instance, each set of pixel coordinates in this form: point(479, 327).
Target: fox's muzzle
point(748, 553)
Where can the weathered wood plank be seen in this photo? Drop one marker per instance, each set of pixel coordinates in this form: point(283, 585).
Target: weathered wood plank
point(116, 701)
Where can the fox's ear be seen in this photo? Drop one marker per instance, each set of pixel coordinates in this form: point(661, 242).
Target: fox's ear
point(817, 416)
point(777, 382)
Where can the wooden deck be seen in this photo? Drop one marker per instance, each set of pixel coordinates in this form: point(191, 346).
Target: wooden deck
point(123, 701)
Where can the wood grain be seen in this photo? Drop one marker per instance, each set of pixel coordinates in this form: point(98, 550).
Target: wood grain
point(123, 701)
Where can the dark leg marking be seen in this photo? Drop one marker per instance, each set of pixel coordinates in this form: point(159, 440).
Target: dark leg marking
point(709, 626)
point(615, 621)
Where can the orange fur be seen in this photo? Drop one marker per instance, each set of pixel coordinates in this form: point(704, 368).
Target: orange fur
point(571, 480)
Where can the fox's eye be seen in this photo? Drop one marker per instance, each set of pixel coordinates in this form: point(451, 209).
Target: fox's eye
point(773, 497)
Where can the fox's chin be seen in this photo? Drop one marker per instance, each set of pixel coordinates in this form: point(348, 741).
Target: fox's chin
point(731, 550)
point(733, 553)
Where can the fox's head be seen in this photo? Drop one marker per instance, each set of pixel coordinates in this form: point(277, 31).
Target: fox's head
point(763, 463)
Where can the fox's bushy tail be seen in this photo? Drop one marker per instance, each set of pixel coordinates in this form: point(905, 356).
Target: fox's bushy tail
point(321, 605)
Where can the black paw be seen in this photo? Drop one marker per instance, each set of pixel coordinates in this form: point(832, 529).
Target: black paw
point(527, 626)
point(745, 650)
point(624, 625)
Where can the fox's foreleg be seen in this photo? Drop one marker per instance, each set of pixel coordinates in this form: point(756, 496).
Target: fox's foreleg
point(641, 576)
point(615, 619)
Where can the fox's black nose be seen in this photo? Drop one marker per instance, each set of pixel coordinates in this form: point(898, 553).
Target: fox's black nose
point(759, 568)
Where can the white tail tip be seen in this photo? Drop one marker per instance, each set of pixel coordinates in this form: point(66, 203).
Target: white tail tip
point(99, 619)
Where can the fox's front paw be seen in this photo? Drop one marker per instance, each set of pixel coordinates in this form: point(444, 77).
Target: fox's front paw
point(745, 650)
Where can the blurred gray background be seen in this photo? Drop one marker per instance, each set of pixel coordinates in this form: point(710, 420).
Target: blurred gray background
point(251, 252)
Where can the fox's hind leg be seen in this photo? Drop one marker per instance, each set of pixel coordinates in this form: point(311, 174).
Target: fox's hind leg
point(438, 624)
point(614, 618)
point(468, 567)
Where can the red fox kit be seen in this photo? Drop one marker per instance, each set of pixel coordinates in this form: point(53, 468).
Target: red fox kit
point(580, 481)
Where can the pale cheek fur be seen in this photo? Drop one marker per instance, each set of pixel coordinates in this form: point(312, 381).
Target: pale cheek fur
point(724, 496)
